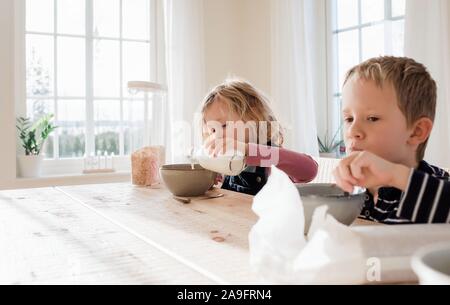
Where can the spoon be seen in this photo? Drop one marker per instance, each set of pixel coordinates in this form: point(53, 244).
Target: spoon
point(182, 199)
point(188, 200)
point(356, 190)
point(212, 196)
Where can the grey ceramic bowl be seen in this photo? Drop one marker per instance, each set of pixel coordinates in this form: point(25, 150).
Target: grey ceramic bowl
point(182, 180)
point(432, 264)
point(344, 207)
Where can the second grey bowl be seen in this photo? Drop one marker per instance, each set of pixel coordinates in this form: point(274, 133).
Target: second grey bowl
point(344, 207)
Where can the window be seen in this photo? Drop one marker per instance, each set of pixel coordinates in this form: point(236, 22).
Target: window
point(362, 29)
point(80, 54)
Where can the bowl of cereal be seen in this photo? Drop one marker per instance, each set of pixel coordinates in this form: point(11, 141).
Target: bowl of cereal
point(187, 180)
point(343, 206)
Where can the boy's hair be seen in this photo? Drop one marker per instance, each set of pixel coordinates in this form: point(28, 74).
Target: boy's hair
point(249, 104)
point(415, 88)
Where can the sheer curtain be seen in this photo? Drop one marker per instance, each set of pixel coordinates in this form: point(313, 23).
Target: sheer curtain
point(427, 40)
point(296, 89)
point(185, 69)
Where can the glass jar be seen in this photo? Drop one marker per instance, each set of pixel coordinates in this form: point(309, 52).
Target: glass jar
point(144, 116)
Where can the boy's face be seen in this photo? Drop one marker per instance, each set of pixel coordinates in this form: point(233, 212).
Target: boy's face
point(373, 122)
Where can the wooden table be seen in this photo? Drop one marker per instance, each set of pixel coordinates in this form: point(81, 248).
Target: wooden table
point(121, 234)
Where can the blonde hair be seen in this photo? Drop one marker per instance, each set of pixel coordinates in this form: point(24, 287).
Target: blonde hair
point(415, 88)
point(249, 104)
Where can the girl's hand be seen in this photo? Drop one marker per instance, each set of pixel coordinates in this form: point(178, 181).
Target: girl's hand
point(216, 146)
point(219, 179)
point(370, 171)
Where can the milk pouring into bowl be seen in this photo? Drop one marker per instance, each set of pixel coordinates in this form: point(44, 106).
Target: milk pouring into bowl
point(230, 164)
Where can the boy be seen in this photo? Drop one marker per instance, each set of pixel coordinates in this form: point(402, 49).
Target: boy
point(389, 106)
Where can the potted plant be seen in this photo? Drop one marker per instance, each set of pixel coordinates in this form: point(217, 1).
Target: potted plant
point(32, 137)
point(329, 148)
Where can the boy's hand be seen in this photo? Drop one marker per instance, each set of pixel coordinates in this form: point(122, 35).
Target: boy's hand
point(370, 171)
point(215, 146)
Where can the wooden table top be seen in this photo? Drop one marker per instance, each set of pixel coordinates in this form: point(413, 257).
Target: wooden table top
point(122, 234)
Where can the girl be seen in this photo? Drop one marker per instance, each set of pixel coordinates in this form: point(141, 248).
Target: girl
point(235, 105)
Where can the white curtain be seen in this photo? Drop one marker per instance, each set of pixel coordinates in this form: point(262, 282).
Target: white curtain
point(184, 44)
point(295, 62)
point(427, 40)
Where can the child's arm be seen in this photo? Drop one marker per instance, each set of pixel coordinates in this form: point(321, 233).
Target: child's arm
point(299, 167)
point(424, 199)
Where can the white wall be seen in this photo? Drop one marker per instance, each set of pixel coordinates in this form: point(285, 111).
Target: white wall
point(238, 43)
point(7, 111)
point(237, 39)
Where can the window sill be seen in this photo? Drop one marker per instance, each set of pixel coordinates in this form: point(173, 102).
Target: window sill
point(74, 179)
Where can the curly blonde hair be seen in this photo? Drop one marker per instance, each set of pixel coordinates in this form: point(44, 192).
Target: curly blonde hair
point(249, 104)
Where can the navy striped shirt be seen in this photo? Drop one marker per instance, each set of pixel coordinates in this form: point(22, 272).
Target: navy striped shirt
point(426, 199)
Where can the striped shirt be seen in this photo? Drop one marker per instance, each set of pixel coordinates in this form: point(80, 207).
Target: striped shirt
point(426, 199)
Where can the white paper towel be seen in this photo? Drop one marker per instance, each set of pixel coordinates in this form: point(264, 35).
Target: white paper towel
point(332, 253)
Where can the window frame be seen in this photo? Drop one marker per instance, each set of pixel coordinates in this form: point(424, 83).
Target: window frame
point(58, 165)
point(334, 91)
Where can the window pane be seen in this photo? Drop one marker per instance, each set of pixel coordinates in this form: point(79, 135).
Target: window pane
point(38, 108)
point(348, 53)
point(107, 126)
point(136, 19)
point(373, 41)
point(398, 8)
point(372, 10)
point(106, 68)
point(106, 18)
point(71, 66)
point(71, 122)
point(136, 56)
point(347, 13)
point(71, 17)
point(40, 65)
point(134, 125)
point(48, 150)
point(398, 32)
point(40, 16)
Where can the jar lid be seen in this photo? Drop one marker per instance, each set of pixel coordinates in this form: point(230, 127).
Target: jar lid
point(146, 86)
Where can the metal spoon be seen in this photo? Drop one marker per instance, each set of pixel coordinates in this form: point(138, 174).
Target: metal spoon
point(186, 200)
point(212, 196)
point(182, 199)
point(356, 190)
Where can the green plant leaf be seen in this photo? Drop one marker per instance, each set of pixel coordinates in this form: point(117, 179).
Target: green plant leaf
point(33, 136)
point(321, 145)
point(327, 146)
